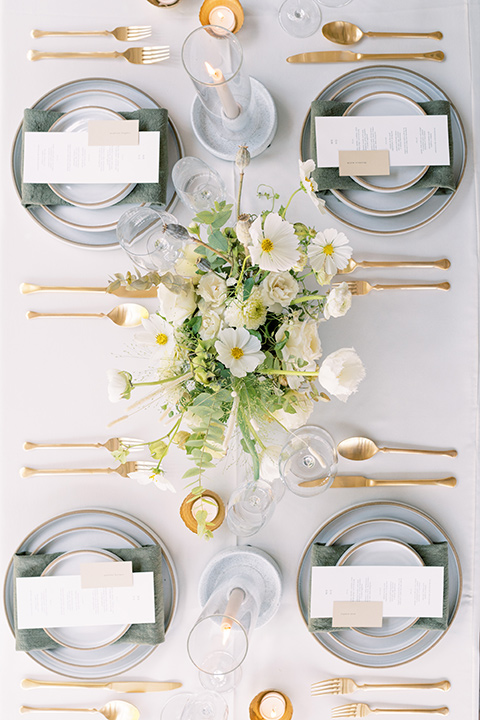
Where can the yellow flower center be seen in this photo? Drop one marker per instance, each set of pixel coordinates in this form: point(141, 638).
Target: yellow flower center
point(161, 339)
point(237, 353)
point(310, 182)
point(267, 245)
point(328, 249)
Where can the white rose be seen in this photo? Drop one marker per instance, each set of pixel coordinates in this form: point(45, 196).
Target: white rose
point(303, 344)
point(212, 289)
point(176, 308)
point(279, 289)
point(341, 373)
point(303, 410)
point(186, 266)
point(233, 314)
point(211, 323)
point(119, 385)
point(339, 301)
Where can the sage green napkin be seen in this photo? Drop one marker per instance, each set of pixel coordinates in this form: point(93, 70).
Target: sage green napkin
point(440, 176)
point(432, 555)
point(149, 120)
point(144, 559)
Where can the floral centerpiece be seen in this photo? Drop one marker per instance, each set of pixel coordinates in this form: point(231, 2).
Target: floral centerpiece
point(235, 343)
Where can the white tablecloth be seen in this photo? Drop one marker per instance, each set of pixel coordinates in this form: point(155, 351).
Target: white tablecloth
point(420, 350)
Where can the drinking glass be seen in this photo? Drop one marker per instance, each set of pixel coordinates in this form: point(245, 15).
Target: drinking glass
point(300, 18)
point(250, 507)
point(142, 233)
point(310, 455)
point(334, 3)
point(197, 184)
point(202, 705)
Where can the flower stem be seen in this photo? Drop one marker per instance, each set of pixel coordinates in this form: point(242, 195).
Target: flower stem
point(240, 277)
point(206, 245)
point(288, 203)
point(273, 371)
point(306, 298)
point(240, 188)
point(162, 382)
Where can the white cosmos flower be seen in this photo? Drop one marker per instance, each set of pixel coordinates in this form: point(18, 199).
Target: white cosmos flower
point(239, 351)
point(275, 247)
point(309, 185)
point(176, 307)
point(341, 373)
point(144, 477)
point(158, 334)
point(339, 301)
point(119, 385)
point(329, 251)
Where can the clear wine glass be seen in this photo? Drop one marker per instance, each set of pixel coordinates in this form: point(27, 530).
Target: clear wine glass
point(308, 461)
point(202, 705)
point(250, 507)
point(197, 184)
point(300, 18)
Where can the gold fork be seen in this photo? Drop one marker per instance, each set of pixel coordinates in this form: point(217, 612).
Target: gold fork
point(125, 34)
point(111, 445)
point(136, 55)
point(124, 470)
point(353, 264)
point(361, 287)
point(345, 686)
point(361, 710)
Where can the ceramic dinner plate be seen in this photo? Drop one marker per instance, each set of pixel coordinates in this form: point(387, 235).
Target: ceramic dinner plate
point(422, 208)
point(108, 529)
point(370, 521)
point(92, 229)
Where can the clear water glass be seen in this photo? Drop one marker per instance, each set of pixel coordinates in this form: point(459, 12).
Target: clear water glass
point(300, 18)
point(334, 3)
point(309, 456)
point(201, 705)
point(142, 233)
point(197, 184)
point(250, 507)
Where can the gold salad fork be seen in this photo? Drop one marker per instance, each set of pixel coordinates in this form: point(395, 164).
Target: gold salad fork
point(353, 264)
point(345, 686)
point(125, 34)
point(136, 55)
point(124, 470)
point(111, 445)
point(361, 710)
point(361, 287)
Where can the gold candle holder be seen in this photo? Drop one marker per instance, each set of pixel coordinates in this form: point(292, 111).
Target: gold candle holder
point(255, 706)
point(188, 510)
point(226, 13)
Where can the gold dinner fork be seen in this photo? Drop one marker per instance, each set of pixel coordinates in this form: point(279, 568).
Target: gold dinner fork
point(125, 34)
point(361, 710)
point(136, 55)
point(124, 470)
point(345, 686)
point(111, 445)
point(361, 287)
point(353, 264)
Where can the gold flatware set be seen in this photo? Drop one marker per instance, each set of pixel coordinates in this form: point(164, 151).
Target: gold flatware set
point(362, 448)
point(349, 481)
point(125, 469)
point(345, 686)
point(124, 315)
point(361, 287)
point(112, 445)
point(368, 264)
point(334, 56)
point(126, 686)
point(136, 55)
point(125, 34)
point(122, 291)
point(361, 710)
point(346, 33)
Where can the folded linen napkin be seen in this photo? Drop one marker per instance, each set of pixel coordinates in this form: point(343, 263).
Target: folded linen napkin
point(144, 559)
point(149, 120)
point(440, 176)
point(432, 555)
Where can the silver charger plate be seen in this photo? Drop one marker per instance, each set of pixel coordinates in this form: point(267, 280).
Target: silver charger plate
point(350, 87)
point(92, 229)
point(113, 529)
point(354, 525)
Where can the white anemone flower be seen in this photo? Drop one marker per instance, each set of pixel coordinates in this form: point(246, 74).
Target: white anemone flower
point(119, 385)
point(144, 477)
point(341, 373)
point(329, 251)
point(159, 334)
point(275, 246)
point(239, 351)
point(309, 185)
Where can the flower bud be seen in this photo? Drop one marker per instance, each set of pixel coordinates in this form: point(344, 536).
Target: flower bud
point(242, 158)
point(242, 229)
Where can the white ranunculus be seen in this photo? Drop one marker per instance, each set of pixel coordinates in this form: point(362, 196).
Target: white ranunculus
point(279, 289)
point(176, 308)
point(303, 410)
point(341, 373)
point(211, 324)
point(212, 289)
point(119, 385)
point(303, 346)
point(339, 301)
point(186, 265)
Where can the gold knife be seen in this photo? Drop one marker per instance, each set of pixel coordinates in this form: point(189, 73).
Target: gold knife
point(344, 481)
point(130, 686)
point(122, 291)
point(332, 56)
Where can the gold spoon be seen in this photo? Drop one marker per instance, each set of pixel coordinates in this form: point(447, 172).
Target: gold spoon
point(361, 448)
point(115, 710)
point(345, 33)
point(125, 315)
point(352, 264)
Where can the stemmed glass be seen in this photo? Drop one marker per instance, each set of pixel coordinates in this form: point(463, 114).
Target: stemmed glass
point(250, 507)
point(300, 18)
point(308, 461)
point(202, 705)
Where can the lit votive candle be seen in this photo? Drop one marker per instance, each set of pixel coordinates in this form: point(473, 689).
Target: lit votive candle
point(272, 706)
point(230, 107)
point(224, 17)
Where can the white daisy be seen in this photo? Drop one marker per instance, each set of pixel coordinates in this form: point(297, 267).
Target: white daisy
point(309, 185)
point(159, 334)
point(329, 251)
point(275, 246)
point(239, 351)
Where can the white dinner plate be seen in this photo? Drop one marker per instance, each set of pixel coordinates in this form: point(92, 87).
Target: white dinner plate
point(355, 525)
point(384, 78)
point(84, 637)
point(92, 229)
point(111, 529)
point(91, 196)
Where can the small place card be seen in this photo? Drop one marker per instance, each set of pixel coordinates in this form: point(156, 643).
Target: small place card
point(357, 614)
point(60, 601)
point(113, 132)
point(364, 162)
point(106, 574)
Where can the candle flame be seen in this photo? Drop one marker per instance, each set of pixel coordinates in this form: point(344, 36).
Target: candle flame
point(226, 630)
point(211, 71)
point(221, 16)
